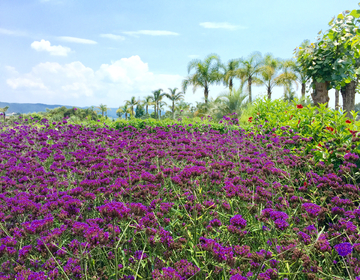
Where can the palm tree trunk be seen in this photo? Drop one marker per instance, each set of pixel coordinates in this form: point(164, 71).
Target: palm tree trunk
point(155, 111)
point(303, 91)
point(249, 87)
point(337, 100)
point(125, 116)
point(269, 92)
point(206, 94)
point(173, 110)
point(230, 85)
point(147, 109)
point(348, 95)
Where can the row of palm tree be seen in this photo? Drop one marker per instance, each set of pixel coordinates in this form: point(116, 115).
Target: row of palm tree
point(265, 71)
point(156, 100)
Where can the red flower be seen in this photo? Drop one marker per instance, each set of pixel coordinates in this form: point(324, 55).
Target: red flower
point(305, 184)
point(298, 121)
point(319, 145)
point(330, 128)
point(299, 106)
point(250, 119)
point(291, 117)
point(348, 121)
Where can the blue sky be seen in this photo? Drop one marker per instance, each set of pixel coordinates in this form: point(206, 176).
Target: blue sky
point(87, 52)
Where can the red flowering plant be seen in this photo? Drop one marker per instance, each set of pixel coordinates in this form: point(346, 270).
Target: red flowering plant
point(315, 124)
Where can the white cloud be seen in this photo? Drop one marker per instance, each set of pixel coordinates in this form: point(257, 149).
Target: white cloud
point(11, 70)
point(19, 83)
point(223, 25)
point(11, 32)
point(76, 40)
point(53, 50)
point(113, 37)
point(150, 32)
point(76, 84)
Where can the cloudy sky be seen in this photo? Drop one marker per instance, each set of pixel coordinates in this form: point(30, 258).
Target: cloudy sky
point(87, 52)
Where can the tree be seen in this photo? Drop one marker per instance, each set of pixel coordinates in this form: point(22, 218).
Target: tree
point(232, 102)
point(161, 106)
point(333, 61)
point(230, 72)
point(3, 111)
point(206, 74)
point(268, 74)
point(250, 69)
point(147, 102)
point(123, 110)
point(103, 109)
point(139, 111)
point(182, 107)
point(132, 103)
point(157, 96)
point(174, 97)
point(287, 78)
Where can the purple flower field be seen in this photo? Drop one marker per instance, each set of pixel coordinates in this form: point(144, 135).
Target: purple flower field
point(171, 204)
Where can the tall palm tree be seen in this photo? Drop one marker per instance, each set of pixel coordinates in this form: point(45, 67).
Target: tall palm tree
point(174, 97)
point(287, 78)
point(269, 73)
point(206, 73)
point(131, 103)
point(250, 69)
point(147, 102)
point(161, 106)
point(157, 97)
point(123, 110)
point(230, 72)
point(103, 109)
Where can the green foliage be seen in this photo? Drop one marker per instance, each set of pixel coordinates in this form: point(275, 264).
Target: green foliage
point(332, 57)
point(139, 111)
point(327, 131)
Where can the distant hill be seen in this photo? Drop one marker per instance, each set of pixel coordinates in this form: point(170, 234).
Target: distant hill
point(26, 108)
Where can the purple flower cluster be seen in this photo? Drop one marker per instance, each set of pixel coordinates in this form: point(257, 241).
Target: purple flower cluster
point(163, 200)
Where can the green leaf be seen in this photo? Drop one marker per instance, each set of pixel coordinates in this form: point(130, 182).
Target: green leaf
point(340, 16)
point(355, 13)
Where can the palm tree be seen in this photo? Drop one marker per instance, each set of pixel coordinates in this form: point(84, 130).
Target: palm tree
point(174, 97)
point(182, 107)
point(161, 105)
point(205, 74)
point(290, 95)
point(287, 78)
point(230, 72)
point(268, 73)
point(131, 103)
point(123, 110)
point(156, 99)
point(103, 108)
point(231, 102)
point(250, 70)
point(147, 102)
